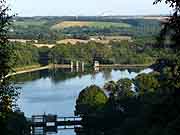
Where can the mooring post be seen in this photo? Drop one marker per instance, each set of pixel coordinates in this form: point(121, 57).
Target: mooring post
point(96, 66)
point(64, 122)
point(77, 66)
point(32, 128)
point(82, 68)
point(71, 64)
point(44, 118)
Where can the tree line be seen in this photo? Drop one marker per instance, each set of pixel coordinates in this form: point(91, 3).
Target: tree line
point(138, 52)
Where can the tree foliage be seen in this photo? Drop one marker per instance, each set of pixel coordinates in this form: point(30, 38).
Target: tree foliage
point(121, 88)
point(90, 100)
point(125, 88)
point(8, 92)
point(171, 26)
point(5, 48)
point(146, 83)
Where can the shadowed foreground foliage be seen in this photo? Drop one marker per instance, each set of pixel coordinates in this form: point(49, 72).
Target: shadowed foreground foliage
point(152, 109)
point(11, 123)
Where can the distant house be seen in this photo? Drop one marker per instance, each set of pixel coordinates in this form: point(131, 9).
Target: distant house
point(96, 64)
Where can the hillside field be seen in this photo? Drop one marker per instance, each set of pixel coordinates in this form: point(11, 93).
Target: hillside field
point(67, 24)
point(52, 29)
point(27, 23)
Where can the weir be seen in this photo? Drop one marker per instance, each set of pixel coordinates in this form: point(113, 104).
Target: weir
point(41, 124)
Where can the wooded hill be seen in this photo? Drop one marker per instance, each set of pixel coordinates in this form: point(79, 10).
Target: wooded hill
point(50, 29)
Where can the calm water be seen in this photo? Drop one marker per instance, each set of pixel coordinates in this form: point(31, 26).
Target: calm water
point(55, 92)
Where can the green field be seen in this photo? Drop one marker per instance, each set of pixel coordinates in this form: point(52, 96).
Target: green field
point(28, 23)
point(109, 24)
point(98, 24)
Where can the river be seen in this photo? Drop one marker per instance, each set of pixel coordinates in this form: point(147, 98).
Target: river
point(56, 91)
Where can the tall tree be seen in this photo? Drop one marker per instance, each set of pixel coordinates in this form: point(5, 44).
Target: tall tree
point(8, 92)
point(5, 50)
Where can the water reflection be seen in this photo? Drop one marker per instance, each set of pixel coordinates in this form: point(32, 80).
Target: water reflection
point(93, 131)
point(55, 91)
point(57, 75)
point(77, 131)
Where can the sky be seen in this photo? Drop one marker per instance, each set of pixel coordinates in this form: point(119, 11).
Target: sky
point(86, 7)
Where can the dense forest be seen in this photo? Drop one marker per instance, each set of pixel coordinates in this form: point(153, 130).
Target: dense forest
point(140, 51)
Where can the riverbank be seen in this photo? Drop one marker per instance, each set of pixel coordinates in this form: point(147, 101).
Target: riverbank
point(123, 65)
point(28, 69)
point(23, 68)
point(33, 68)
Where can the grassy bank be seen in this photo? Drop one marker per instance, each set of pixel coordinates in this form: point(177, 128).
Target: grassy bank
point(23, 68)
point(124, 65)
